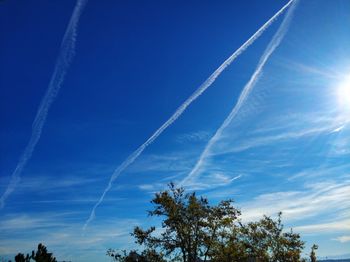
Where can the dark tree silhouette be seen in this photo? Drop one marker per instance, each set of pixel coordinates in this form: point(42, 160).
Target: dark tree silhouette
point(313, 253)
point(21, 258)
point(40, 255)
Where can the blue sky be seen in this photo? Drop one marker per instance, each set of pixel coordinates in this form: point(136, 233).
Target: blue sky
point(135, 63)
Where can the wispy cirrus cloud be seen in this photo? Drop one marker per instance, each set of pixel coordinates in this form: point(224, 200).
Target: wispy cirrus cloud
point(172, 167)
point(310, 70)
point(342, 239)
point(284, 129)
point(314, 201)
point(274, 43)
point(339, 226)
point(49, 182)
point(202, 88)
point(175, 162)
point(17, 221)
point(323, 171)
point(209, 182)
point(193, 137)
point(62, 233)
point(212, 180)
point(67, 52)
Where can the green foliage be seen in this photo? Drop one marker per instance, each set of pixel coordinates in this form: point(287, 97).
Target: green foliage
point(189, 227)
point(192, 230)
point(265, 240)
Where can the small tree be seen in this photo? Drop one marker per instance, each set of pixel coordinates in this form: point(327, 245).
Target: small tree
point(21, 258)
point(190, 228)
point(313, 253)
point(262, 241)
point(41, 255)
point(266, 241)
point(190, 225)
point(132, 256)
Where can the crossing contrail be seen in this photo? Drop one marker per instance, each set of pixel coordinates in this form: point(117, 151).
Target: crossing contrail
point(274, 43)
point(64, 59)
point(183, 107)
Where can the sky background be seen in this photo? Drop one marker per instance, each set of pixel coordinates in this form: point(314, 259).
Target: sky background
point(136, 62)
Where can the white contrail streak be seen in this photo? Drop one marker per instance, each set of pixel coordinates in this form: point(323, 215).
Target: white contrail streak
point(183, 107)
point(65, 57)
point(274, 43)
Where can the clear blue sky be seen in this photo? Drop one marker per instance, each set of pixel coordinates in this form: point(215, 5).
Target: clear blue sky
point(135, 63)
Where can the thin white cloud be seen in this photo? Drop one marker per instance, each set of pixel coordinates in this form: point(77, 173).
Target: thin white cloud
point(193, 137)
point(324, 73)
point(287, 129)
point(314, 201)
point(342, 239)
point(275, 138)
point(176, 162)
point(64, 59)
point(131, 159)
point(338, 129)
point(20, 221)
point(321, 171)
point(325, 228)
point(78, 200)
point(47, 183)
point(63, 236)
point(274, 43)
point(212, 180)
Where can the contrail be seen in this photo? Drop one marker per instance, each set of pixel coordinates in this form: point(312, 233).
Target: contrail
point(183, 107)
point(67, 51)
point(274, 43)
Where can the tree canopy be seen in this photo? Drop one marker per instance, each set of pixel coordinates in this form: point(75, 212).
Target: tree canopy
point(192, 230)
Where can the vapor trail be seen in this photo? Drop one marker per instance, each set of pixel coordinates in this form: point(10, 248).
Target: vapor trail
point(183, 107)
point(274, 43)
point(64, 59)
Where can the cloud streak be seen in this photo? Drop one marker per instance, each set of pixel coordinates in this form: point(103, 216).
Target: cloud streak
point(342, 239)
point(274, 43)
point(184, 106)
point(65, 57)
point(61, 232)
point(313, 200)
point(331, 227)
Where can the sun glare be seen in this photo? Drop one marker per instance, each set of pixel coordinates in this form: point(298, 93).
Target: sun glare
point(343, 94)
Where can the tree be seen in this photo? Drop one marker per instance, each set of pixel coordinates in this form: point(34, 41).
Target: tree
point(263, 241)
point(192, 230)
point(189, 229)
point(41, 255)
point(145, 256)
point(190, 225)
point(313, 253)
point(21, 258)
point(266, 241)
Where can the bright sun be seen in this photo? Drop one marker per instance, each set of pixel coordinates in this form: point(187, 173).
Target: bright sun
point(343, 93)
